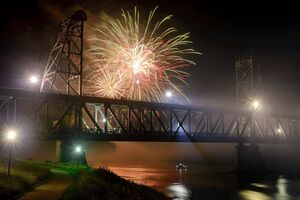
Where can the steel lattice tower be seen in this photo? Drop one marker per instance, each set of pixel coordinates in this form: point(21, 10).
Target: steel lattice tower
point(63, 72)
point(248, 82)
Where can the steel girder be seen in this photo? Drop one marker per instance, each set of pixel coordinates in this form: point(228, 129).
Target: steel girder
point(56, 115)
point(63, 72)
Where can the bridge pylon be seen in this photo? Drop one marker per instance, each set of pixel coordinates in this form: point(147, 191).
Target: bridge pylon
point(248, 82)
point(63, 72)
point(249, 159)
point(248, 88)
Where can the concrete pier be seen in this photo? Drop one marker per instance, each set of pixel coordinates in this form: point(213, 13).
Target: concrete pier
point(249, 159)
point(66, 152)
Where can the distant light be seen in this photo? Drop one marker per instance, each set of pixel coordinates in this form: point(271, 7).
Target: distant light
point(104, 120)
point(11, 135)
point(78, 149)
point(279, 130)
point(255, 104)
point(33, 79)
point(169, 94)
point(259, 185)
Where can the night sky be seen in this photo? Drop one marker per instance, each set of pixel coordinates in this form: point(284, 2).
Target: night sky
point(221, 31)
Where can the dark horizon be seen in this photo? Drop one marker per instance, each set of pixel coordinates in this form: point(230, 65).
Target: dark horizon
point(221, 31)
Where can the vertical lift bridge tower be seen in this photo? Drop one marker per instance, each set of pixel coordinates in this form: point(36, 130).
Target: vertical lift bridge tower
point(248, 88)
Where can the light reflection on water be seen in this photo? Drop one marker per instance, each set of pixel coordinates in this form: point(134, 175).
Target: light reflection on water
point(251, 195)
point(195, 185)
point(178, 191)
point(281, 185)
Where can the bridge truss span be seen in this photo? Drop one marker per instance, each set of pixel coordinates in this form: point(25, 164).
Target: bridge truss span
point(55, 116)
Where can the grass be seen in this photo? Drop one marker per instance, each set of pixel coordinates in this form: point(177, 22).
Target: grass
point(71, 167)
point(103, 184)
point(24, 177)
point(88, 183)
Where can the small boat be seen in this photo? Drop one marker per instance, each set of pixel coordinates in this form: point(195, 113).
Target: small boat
point(181, 167)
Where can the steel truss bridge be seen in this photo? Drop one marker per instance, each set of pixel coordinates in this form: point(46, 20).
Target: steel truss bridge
point(59, 116)
point(60, 109)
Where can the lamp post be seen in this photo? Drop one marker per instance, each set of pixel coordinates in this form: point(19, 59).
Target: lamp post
point(11, 137)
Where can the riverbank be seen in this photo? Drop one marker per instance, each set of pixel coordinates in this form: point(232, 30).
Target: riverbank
point(87, 183)
point(103, 184)
point(24, 178)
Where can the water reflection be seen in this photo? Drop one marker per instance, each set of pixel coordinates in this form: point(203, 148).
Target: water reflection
point(253, 195)
point(281, 186)
point(194, 184)
point(178, 191)
point(159, 177)
point(272, 186)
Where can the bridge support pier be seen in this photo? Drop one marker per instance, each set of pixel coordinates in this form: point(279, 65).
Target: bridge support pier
point(66, 152)
point(249, 159)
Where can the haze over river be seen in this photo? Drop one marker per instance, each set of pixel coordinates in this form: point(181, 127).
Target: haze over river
point(207, 177)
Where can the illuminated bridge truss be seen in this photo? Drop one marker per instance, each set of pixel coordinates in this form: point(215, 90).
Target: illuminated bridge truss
point(63, 72)
point(58, 116)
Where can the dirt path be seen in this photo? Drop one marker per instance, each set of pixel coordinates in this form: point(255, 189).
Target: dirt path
point(51, 190)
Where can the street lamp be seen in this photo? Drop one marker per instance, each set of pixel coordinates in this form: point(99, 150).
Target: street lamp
point(78, 150)
point(255, 104)
point(11, 138)
point(11, 135)
point(279, 130)
point(33, 79)
point(168, 94)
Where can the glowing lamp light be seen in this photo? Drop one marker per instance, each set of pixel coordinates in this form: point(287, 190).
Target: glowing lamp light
point(104, 120)
point(279, 130)
point(33, 79)
point(169, 94)
point(11, 135)
point(255, 104)
point(78, 149)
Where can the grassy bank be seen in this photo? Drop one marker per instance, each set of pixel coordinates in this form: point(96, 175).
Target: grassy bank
point(88, 183)
point(24, 177)
point(103, 184)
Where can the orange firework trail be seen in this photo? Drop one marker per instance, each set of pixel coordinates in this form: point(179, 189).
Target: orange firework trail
point(137, 61)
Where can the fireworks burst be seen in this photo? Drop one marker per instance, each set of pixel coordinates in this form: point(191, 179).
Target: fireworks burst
point(137, 61)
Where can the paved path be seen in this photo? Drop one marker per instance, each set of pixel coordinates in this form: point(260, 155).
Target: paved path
point(51, 190)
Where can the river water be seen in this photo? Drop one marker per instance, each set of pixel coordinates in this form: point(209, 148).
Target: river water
point(199, 182)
